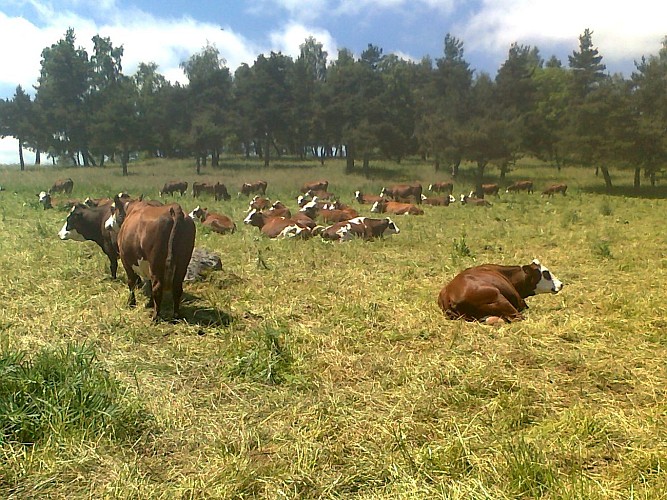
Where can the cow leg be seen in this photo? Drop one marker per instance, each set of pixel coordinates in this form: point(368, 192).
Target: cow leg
point(177, 293)
point(157, 298)
point(132, 278)
point(502, 308)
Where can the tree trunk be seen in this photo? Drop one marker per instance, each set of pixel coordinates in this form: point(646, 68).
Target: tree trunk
point(455, 167)
point(267, 151)
point(102, 160)
point(366, 165)
point(637, 182)
point(652, 178)
point(198, 164)
point(38, 157)
point(124, 158)
point(215, 158)
point(607, 177)
point(21, 161)
point(479, 192)
point(504, 168)
point(349, 159)
point(436, 164)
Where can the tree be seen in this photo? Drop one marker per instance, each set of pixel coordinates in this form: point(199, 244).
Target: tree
point(587, 67)
point(16, 120)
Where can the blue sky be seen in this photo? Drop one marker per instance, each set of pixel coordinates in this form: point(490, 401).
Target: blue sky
point(169, 31)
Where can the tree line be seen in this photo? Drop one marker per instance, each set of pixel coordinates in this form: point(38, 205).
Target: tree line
point(86, 110)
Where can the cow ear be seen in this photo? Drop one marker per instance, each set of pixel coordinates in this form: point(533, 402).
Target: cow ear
point(533, 272)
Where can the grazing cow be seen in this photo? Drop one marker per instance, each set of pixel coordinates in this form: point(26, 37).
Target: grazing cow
point(62, 186)
point(396, 208)
point(172, 187)
point(216, 222)
point(249, 188)
point(315, 186)
point(491, 189)
point(555, 188)
point(218, 190)
point(403, 191)
point(438, 201)
point(86, 223)
point(277, 227)
point(359, 227)
point(520, 186)
point(494, 293)
point(442, 187)
point(468, 199)
point(367, 199)
point(154, 243)
point(259, 203)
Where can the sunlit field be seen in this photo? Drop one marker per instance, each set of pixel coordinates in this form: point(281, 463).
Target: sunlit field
point(307, 369)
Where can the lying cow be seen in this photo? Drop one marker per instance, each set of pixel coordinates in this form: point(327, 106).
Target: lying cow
point(403, 191)
point(441, 187)
point(215, 222)
point(259, 203)
point(520, 186)
point(172, 187)
point(277, 227)
point(367, 199)
point(469, 199)
point(396, 208)
point(359, 227)
point(555, 188)
point(155, 244)
point(248, 188)
point(438, 201)
point(495, 294)
point(62, 186)
point(86, 223)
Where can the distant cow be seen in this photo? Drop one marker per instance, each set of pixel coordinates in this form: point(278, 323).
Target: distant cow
point(396, 208)
point(86, 223)
point(172, 187)
point(216, 222)
point(359, 227)
point(520, 186)
point(154, 243)
point(96, 202)
point(403, 191)
point(312, 210)
point(315, 186)
point(248, 188)
point(367, 199)
point(491, 189)
point(468, 199)
point(438, 201)
point(62, 186)
point(555, 188)
point(441, 187)
point(45, 200)
point(277, 227)
point(259, 203)
point(218, 190)
point(495, 293)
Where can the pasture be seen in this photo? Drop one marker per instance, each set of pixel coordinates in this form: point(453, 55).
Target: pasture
point(307, 369)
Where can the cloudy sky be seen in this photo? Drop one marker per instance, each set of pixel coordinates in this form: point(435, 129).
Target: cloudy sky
point(167, 32)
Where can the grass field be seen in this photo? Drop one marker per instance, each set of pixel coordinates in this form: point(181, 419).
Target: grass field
point(314, 370)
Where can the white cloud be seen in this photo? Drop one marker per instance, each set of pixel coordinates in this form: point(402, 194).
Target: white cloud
point(621, 30)
point(294, 34)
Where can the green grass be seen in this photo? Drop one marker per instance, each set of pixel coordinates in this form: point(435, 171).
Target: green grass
point(307, 369)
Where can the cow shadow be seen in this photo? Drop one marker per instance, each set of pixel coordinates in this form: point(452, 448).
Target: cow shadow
point(194, 312)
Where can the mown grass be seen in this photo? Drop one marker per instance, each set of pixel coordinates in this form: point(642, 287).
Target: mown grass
point(314, 370)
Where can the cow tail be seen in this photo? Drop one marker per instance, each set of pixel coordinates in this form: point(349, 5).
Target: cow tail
point(177, 218)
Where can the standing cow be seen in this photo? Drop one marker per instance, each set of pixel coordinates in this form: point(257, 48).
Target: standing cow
point(62, 186)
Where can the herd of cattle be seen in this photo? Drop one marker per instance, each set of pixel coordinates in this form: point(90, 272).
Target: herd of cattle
point(155, 241)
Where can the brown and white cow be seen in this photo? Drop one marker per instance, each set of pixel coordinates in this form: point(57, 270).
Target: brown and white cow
point(396, 208)
point(279, 209)
point(520, 186)
point(359, 227)
point(219, 223)
point(277, 227)
point(155, 244)
point(172, 187)
point(259, 203)
point(403, 191)
point(555, 188)
point(62, 186)
point(493, 293)
point(258, 187)
point(438, 201)
point(86, 223)
point(469, 199)
point(442, 187)
point(96, 202)
point(45, 200)
point(367, 199)
point(322, 185)
point(312, 209)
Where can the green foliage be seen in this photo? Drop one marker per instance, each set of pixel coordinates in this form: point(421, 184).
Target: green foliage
point(528, 471)
point(602, 249)
point(460, 248)
point(267, 358)
point(62, 392)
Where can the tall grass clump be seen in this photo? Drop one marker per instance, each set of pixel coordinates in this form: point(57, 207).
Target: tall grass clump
point(60, 393)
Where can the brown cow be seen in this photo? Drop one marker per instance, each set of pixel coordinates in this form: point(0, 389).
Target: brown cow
point(402, 191)
point(218, 190)
point(468, 199)
point(442, 187)
point(62, 186)
point(491, 189)
point(367, 199)
point(315, 186)
point(277, 227)
point(248, 188)
point(86, 223)
point(520, 186)
point(494, 293)
point(555, 188)
point(279, 209)
point(154, 243)
point(215, 222)
point(438, 201)
point(172, 187)
point(396, 208)
point(359, 227)
point(312, 210)
point(259, 202)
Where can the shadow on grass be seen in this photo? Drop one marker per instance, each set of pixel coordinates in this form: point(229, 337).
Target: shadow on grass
point(646, 192)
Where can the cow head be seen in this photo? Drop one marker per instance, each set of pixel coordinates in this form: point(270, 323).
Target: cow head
point(198, 213)
point(378, 207)
point(117, 216)
point(544, 281)
point(73, 224)
point(45, 199)
point(383, 192)
point(392, 228)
